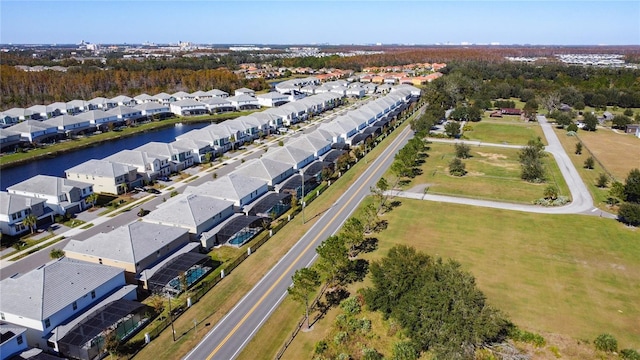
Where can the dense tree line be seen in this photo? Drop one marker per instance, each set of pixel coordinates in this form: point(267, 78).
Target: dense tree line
point(436, 303)
point(629, 211)
point(23, 89)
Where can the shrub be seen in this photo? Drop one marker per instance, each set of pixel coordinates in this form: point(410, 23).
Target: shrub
point(572, 127)
point(578, 148)
point(173, 193)
point(629, 354)
point(351, 306)
point(629, 213)
point(340, 337)
point(321, 346)
point(457, 167)
point(527, 337)
point(606, 342)
point(628, 112)
point(602, 180)
point(589, 163)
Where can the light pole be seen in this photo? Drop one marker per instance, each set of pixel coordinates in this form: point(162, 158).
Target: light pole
point(302, 197)
point(173, 331)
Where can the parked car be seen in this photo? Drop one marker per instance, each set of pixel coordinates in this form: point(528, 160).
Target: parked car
point(163, 178)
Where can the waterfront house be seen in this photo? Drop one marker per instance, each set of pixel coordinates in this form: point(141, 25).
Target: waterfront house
point(125, 113)
point(188, 107)
point(244, 102)
point(98, 118)
point(149, 166)
point(15, 208)
point(179, 159)
point(217, 104)
point(150, 109)
point(63, 196)
point(69, 124)
point(9, 140)
point(199, 149)
point(34, 131)
point(272, 99)
point(106, 176)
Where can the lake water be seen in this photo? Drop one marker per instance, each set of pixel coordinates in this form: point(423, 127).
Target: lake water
point(57, 165)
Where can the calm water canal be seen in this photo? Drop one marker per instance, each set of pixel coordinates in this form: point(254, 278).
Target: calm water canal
point(57, 165)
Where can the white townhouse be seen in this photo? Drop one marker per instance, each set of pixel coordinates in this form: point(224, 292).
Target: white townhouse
point(244, 91)
point(313, 142)
point(218, 104)
point(218, 93)
point(124, 100)
point(239, 189)
point(106, 177)
point(34, 131)
point(272, 99)
point(102, 103)
point(9, 139)
point(62, 107)
point(143, 98)
point(56, 293)
point(244, 102)
point(180, 159)
point(125, 113)
point(164, 98)
point(212, 140)
point(338, 132)
point(271, 171)
point(286, 115)
point(188, 107)
point(196, 213)
point(152, 108)
point(255, 126)
point(242, 131)
point(77, 106)
point(149, 166)
point(61, 195)
point(182, 95)
point(198, 148)
point(15, 208)
point(355, 91)
point(296, 157)
point(44, 112)
point(98, 118)
point(69, 124)
point(200, 95)
point(15, 115)
point(268, 120)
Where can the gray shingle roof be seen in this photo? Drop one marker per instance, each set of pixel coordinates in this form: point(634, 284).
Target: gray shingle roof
point(12, 203)
point(265, 169)
point(130, 243)
point(48, 185)
point(48, 289)
point(231, 187)
point(102, 168)
point(189, 210)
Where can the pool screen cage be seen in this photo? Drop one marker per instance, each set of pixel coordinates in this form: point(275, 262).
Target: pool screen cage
point(185, 269)
point(241, 229)
point(272, 205)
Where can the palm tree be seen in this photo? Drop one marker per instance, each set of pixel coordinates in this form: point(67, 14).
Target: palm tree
point(30, 221)
point(92, 198)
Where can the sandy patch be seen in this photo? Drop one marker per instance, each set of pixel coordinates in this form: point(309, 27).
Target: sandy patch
point(491, 156)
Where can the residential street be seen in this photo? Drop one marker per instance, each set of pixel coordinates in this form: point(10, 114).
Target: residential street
point(227, 339)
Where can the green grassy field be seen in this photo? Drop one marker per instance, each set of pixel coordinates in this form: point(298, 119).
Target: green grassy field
point(493, 173)
point(570, 284)
point(507, 131)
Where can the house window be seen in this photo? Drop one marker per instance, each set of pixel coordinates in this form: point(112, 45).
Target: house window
point(2, 316)
point(19, 340)
point(47, 323)
point(93, 294)
point(75, 305)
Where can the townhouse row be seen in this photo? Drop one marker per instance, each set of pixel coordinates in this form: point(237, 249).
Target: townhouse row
point(70, 305)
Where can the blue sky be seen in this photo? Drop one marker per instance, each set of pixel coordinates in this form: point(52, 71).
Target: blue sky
point(336, 22)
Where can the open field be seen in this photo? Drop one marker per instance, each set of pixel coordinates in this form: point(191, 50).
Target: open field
point(493, 174)
point(620, 153)
point(588, 176)
point(504, 131)
point(569, 285)
point(217, 302)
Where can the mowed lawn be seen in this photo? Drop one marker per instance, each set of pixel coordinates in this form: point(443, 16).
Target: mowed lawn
point(507, 131)
point(619, 153)
point(575, 275)
point(493, 173)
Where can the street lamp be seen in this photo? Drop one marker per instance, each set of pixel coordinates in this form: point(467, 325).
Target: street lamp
point(302, 197)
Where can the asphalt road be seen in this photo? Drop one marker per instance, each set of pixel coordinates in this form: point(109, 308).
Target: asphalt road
point(105, 224)
point(227, 339)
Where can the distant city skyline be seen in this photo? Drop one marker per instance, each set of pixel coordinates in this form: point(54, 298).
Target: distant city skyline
point(321, 22)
